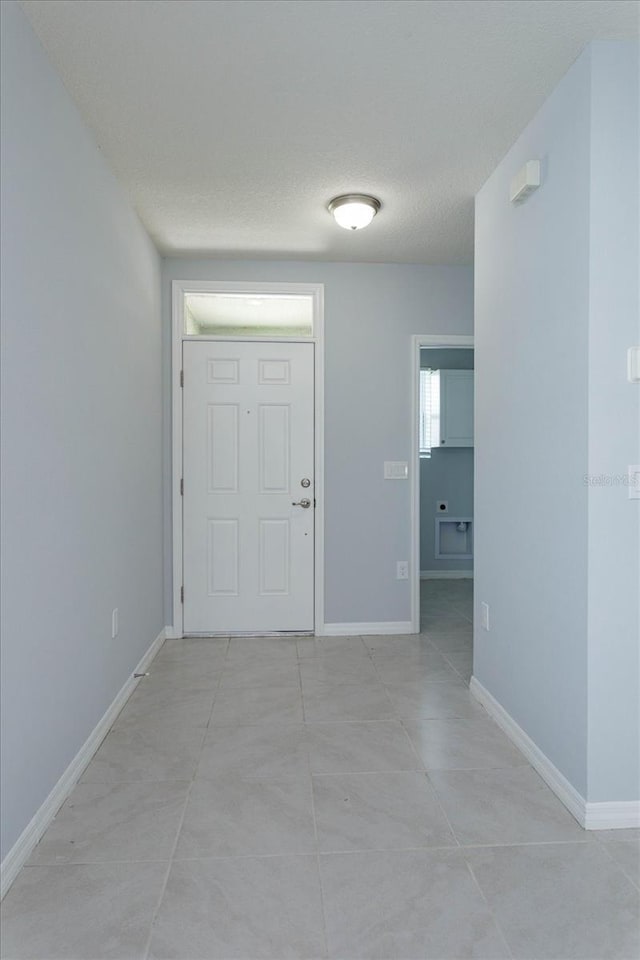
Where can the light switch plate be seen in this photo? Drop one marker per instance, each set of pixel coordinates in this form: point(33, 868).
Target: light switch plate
point(634, 481)
point(396, 470)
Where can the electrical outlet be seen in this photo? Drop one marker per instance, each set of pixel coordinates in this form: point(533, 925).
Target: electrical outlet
point(402, 570)
point(114, 624)
point(484, 615)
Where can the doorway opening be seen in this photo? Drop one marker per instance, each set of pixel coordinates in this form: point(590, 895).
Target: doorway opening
point(442, 480)
point(248, 448)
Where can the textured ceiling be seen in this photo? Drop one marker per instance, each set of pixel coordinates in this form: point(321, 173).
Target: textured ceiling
point(231, 124)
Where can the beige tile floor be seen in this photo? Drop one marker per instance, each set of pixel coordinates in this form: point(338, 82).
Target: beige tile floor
point(340, 797)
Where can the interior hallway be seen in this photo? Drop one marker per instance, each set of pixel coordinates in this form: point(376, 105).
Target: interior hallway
point(336, 797)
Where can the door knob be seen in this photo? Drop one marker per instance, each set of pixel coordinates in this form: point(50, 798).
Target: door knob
point(305, 503)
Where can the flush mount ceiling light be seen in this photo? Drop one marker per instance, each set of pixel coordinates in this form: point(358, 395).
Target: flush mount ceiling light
point(353, 211)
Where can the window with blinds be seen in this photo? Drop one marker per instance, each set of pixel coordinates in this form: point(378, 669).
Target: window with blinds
point(429, 411)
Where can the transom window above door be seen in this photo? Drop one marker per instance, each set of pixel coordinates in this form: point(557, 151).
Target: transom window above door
point(248, 314)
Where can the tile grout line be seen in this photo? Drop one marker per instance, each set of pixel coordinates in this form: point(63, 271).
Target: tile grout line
point(174, 847)
point(486, 902)
point(495, 844)
point(428, 778)
point(302, 706)
point(163, 888)
point(320, 885)
point(605, 844)
point(315, 822)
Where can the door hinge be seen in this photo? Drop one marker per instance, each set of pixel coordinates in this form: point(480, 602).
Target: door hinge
point(181, 487)
point(182, 378)
point(181, 594)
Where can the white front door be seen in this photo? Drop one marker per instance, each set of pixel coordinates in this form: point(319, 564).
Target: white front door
point(248, 501)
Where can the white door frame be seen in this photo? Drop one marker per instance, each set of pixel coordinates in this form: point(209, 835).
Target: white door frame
point(316, 291)
point(419, 340)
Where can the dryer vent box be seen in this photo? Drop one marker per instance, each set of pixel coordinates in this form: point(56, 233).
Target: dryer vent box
point(454, 538)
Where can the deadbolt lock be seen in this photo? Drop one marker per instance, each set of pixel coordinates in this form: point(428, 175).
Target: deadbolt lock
point(305, 482)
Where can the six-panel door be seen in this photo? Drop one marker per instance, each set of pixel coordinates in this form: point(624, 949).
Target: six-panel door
point(248, 446)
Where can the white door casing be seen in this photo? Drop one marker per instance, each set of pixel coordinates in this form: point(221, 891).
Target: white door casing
point(248, 443)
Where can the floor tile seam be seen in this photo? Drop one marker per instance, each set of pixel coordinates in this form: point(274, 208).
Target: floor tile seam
point(326, 855)
point(313, 723)
point(165, 882)
point(107, 783)
point(460, 848)
point(401, 656)
point(215, 695)
point(323, 912)
point(428, 769)
point(183, 659)
point(358, 773)
point(446, 652)
point(491, 912)
point(494, 726)
point(453, 616)
point(396, 712)
point(604, 844)
point(368, 773)
point(302, 705)
point(219, 724)
point(88, 862)
point(409, 848)
point(317, 854)
point(162, 726)
point(504, 844)
point(463, 640)
point(608, 840)
point(224, 857)
point(454, 668)
point(436, 795)
point(456, 680)
point(243, 778)
point(274, 658)
point(368, 682)
point(422, 716)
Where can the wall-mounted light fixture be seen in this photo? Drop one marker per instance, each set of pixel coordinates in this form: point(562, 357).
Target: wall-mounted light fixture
point(353, 211)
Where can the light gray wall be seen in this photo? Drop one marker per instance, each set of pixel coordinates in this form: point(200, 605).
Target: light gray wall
point(81, 431)
point(531, 328)
point(614, 426)
point(371, 311)
point(446, 475)
point(557, 561)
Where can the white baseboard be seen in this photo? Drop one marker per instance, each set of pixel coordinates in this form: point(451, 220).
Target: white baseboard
point(564, 791)
point(171, 634)
point(367, 629)
point(32, 833)
point(613, 815)
point(446, 574)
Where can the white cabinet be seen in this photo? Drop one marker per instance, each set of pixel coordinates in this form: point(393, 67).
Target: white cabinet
point(456, 408)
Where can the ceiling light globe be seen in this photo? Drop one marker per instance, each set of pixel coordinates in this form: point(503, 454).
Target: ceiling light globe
point(354, 211)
